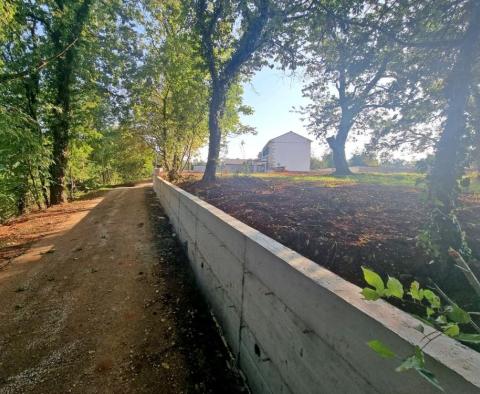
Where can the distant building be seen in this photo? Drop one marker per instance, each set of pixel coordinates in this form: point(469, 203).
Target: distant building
point(199, 168)
point(289, 152)
point(242, 165)
point(234, 166)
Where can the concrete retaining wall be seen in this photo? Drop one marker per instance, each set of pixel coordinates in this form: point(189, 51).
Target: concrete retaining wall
point(296, 327)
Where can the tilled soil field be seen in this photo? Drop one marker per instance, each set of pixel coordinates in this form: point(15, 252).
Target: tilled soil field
point(342, 227)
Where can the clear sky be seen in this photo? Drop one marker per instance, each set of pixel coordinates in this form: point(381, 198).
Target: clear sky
point(272, 94)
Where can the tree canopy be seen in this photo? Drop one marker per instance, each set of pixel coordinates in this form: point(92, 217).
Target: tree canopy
point(96, 92)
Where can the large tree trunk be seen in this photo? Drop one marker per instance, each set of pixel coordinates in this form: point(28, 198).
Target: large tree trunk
point(337, 145)
point(339, 158)
point(450, 149)
point(248, 42)
point(60, 127)
point(43, 184)
point(22, 196)
point(217, 105)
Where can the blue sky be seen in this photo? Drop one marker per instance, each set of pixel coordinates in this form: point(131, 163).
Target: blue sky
point(272, 94)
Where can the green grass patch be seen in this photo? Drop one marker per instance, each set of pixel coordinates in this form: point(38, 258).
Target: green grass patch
point(404, 179)
point(397, 179)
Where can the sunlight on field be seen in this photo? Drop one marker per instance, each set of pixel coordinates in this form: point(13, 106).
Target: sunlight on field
point(400, 179)
point(405, 179)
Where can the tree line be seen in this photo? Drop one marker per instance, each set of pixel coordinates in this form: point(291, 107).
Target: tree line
point(95, 92)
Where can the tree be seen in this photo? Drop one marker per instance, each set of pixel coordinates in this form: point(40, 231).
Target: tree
point(444, 38)
point(319, 163)
point(37, 49)
point(25, 157)
point(64, 29)
point(172, 103)
point(232, 32)
point(364, 159)
point(450, 152)
point(353, 82)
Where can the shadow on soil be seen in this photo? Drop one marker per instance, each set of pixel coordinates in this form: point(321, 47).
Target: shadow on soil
point(211, 368)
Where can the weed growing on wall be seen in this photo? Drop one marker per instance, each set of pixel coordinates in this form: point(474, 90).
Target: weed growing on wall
point(445, 316)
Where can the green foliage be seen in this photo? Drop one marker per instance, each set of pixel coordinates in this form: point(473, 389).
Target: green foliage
point(364, 159)
point(98, 51)
point(381, 349)
point(397, 179)
point(447, 318)
point(444, 317)
point(23, 160)
point(415, 362)
point(324, 162)
point(393, 288)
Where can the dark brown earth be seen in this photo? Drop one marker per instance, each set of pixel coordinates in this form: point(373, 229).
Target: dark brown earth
point(104, 303)
point(342, 227)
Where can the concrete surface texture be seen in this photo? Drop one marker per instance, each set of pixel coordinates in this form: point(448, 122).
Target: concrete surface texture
point(296, 327)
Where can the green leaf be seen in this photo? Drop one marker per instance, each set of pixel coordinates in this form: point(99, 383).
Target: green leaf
point(415, 361)
point(430, 377)
point(432, 298)
point(420, 356)
point(457, 314)
point(370, 294)
point(381, 349)
point(442, 319)
point(415, 292)
point(468, 338)
point(409, 363)
point(374, 280)
point(394, 288)
point(429, 311)
point(452, 330)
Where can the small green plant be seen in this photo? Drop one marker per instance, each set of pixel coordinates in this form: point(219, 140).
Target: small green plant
point(446, 317)
point(414, 362)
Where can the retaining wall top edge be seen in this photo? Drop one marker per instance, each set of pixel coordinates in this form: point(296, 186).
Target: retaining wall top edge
point(457, 357)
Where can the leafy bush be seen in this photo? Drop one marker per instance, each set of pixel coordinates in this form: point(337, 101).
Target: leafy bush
point(446, 317)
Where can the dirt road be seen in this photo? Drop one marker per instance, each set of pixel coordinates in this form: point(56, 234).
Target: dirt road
point(106, 304)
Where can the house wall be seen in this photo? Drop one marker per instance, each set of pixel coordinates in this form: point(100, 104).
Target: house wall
point(296, 327)
point(290, 151)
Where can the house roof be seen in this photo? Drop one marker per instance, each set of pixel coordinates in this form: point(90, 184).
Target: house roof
point(284, 134)
point(290, 132)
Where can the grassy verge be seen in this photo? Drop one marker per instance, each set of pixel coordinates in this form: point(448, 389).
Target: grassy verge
point(406, 179)
point(398, 179)
point(103, 189)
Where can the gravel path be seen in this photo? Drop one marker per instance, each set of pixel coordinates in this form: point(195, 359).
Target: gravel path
point(107, 305)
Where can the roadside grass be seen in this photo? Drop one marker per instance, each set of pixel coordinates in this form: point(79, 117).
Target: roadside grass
point(101, 190)
point(82, 195)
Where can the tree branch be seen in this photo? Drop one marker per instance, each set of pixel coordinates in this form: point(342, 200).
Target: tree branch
point(42, 64)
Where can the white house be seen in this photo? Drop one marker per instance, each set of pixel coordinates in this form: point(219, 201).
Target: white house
point(289, 151)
